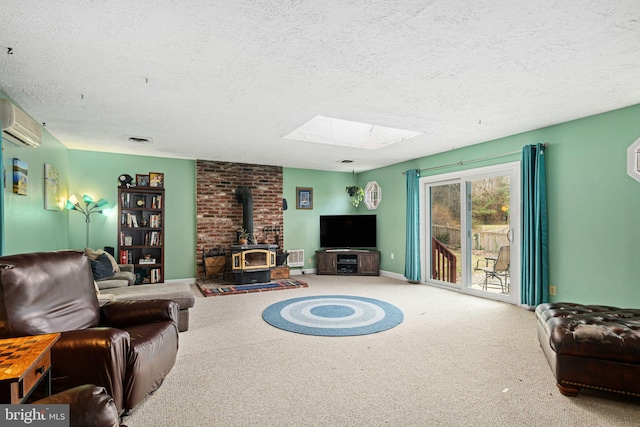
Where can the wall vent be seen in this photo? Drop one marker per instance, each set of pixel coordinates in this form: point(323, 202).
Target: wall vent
point(296, 258)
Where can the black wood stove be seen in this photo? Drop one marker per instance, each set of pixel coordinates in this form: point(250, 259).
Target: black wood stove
point(252, 263)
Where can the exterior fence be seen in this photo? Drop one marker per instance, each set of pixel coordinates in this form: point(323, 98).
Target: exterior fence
point(489, 241)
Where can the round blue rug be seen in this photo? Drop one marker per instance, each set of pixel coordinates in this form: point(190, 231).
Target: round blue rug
point(333, 315)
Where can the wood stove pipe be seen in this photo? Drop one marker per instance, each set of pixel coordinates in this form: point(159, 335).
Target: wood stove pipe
point(243, 195)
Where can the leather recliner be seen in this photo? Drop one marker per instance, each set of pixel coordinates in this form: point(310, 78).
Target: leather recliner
point(89, 406)
point(127, 347)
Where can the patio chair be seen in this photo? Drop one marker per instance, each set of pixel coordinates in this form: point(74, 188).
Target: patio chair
point(498, 270)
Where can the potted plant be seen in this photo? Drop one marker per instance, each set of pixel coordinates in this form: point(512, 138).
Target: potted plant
point(356, 194)
point(243, 235)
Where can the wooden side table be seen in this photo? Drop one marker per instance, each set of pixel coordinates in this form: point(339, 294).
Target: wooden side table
point(24, 363)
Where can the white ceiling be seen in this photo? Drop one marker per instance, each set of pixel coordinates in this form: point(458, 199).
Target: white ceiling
point(227, 80)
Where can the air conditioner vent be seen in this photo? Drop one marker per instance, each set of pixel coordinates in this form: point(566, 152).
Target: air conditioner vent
point(295, 258)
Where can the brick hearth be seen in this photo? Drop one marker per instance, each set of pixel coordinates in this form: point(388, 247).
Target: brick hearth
point(219, 214)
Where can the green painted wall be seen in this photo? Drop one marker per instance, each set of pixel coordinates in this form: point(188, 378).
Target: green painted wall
point(28, 226)
point(594, 238)
point(302, 226)
point(31, 228)
point(97, 174)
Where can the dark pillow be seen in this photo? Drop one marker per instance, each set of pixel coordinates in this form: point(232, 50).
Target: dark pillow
point(101, 267)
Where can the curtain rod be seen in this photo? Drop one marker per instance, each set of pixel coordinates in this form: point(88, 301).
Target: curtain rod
point(480, 159)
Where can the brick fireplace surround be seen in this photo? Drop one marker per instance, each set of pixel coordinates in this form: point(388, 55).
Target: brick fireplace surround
point(219, 214)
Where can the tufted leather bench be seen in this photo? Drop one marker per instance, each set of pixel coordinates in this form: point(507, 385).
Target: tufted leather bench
point(591, 346)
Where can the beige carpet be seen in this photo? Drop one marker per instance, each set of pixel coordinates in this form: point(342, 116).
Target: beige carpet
point(456, 360)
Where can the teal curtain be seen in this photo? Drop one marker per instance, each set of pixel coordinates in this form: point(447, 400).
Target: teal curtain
point(412, 251)
point(534, 280)
point(1, 195)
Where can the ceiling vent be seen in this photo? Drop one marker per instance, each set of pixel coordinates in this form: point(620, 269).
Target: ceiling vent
point(17, 127)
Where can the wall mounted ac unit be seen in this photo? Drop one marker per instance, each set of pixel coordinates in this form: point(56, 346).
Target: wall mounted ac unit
point(295, 258)
point(17, 127)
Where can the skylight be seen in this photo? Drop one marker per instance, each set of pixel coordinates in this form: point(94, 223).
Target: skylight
point(327, 130)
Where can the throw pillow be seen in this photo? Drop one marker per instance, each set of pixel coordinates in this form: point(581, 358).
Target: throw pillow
point(114, 264)
point(95, 254)
point(101, 267)
point(92, 254)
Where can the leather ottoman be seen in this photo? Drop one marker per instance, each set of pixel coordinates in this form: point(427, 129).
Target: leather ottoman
point(591, 346)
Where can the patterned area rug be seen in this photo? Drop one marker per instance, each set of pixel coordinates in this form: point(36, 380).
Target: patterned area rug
point(333, 315)
point(218, 289)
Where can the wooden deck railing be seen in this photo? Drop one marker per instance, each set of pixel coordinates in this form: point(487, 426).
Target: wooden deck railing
point(443, 262)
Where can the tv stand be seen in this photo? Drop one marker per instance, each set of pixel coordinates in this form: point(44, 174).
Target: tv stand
point(348, 262)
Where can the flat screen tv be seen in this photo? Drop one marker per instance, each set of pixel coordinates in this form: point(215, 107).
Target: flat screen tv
point(348, 231)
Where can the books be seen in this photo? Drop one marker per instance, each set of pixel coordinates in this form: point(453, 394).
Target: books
point(153, 238)
point(129, 220)
point(155, 221)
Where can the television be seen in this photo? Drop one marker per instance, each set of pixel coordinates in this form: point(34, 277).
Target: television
point(348, 231)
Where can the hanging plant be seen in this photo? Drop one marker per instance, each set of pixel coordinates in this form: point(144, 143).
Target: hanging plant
point(356, 193)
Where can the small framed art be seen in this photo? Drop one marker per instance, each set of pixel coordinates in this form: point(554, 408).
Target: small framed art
point(20, 173)
point(304, 198)
point(142, 180)
point(156, 179)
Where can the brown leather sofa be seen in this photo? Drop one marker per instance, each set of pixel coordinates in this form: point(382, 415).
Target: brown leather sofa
point(127, 347)
point(591, 346)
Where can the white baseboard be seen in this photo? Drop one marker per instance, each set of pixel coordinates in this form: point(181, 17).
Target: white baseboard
point(190, 280)
point(302, 271)
point(392, 275)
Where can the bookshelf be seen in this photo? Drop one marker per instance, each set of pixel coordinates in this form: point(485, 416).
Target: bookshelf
point(141, 232)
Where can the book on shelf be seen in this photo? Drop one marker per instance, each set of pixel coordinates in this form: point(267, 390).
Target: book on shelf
point(153, 238)
point(155, 220)
point(125, 256)
point(129, 220)
point(154, 276)
point(156, 202)
point(147, 261)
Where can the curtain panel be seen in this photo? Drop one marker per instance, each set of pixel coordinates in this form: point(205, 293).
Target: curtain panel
point(2, 177)
point(534, 276)
point(412, 250)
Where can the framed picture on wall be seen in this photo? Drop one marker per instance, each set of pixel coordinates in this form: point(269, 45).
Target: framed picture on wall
point(20, 173)
point(156, 179)
point(304, 198)
point(51, 188)
point(142, 180)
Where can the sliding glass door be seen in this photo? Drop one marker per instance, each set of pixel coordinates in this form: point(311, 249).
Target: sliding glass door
point(469, 228)
point(446, 232)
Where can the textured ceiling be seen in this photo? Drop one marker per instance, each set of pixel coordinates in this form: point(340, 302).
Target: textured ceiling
point(227, 80)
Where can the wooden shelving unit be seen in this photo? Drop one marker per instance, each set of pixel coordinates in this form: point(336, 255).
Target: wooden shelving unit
point(141, 231)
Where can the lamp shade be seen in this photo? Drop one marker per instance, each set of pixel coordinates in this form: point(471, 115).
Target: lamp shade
point(69, 205)
point(87, 199)
point(102, 202)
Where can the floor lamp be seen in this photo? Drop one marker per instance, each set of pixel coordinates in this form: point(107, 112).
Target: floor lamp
point(89, 207)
